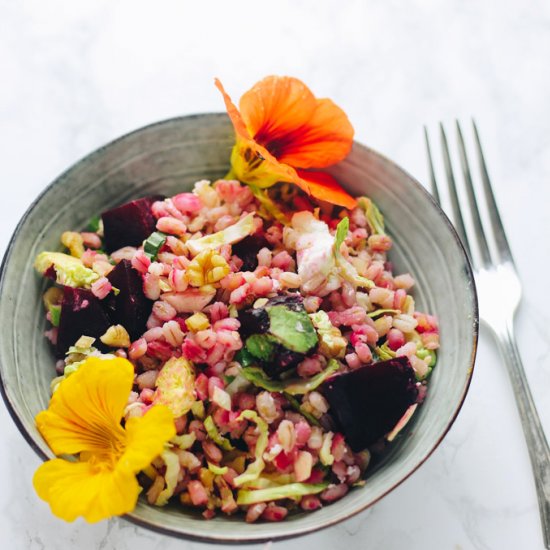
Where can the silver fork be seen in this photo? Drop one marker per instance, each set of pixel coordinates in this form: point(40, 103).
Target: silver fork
point(499, 294)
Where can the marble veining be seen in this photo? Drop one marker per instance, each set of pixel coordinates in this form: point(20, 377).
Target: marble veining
point(77, 74)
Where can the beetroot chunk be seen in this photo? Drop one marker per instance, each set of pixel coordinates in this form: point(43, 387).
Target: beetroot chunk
point(130, 308)
point(366, 403)
point(82, 314)
point(129, 224)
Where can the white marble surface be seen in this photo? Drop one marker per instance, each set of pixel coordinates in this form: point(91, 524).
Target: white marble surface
point(77, 74)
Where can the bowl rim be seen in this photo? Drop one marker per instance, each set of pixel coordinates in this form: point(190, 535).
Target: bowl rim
point(236, 539)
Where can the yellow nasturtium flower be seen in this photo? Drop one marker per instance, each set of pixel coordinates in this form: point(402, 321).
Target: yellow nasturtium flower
point(84, 419)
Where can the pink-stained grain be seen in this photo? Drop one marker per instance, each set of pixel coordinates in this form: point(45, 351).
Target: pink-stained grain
point(197, 492)
point(153, 334)
point(290, 280)
point(214, 382)
point(348, 294)
point(274, 513)
point(265, 405)
point(125, 253)
point(379, 243)
point(91, 240)
point(147, 379)
point(232, 281)
point(171, 225)
point(264, 257)
point(274, 235)
point(239, 295)
point(404, 281)
point(310, 503)
point(153, 322)
point(334, 492)
point(254, 512)
point(303, 465)
point(102, 267)
point(395, 339)
point(382, 297)
point(286, 435)
point(353, 316)
point(407, 350)
point(315, 440)
point(164, 311)
point(309, 367)
point(172, 333)
point(318, 402)
point(197, 427)
point(262, 286)
point(206, 339)
point(383, 325)
point(353, 361)
point(101, 288)
point(284, 261)
point(187, 203)
point(141, 262)
point(363, 353)
point(217, 312)
point(212, 452)
point(137, 349)
point(430, 340)
point(312, 303)
point(151, 286)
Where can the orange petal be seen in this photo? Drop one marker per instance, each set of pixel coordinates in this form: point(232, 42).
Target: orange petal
point(325, 140)
point(232, 111)
point(283, 116)
point(324, 187)
point(276, 107)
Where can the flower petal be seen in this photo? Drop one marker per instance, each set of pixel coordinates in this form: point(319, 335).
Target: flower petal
point(284, 116)
point(74, 489)
point(253, 164)
point(232, 111)
point(275, 108)
point(145, 438)
point(85, 411)
point(324, 187)
point(325, 140)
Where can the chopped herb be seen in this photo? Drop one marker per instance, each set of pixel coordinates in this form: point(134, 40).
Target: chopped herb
point(153, 244)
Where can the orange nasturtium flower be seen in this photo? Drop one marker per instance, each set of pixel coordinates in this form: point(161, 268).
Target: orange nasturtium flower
point(282, 130)
point(84, 418)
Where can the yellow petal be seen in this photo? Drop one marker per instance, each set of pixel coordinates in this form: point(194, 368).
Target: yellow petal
point(74, 489)
point(145, 438)
point(85, 412)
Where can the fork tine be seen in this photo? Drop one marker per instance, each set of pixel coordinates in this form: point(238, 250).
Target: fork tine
point(433, 184)
point(458, 220)
point(476, 218)
point(503, 247)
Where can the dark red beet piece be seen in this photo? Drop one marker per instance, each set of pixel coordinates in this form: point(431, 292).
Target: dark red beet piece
point(247, 250)
point(129, 224)
point(366, 403)
point(130, 308)
point(82, 314)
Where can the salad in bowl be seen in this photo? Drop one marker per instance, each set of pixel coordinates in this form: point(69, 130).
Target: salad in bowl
point(243, 348)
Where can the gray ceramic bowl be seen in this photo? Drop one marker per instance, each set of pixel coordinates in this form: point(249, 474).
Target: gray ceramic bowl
point(169, 157)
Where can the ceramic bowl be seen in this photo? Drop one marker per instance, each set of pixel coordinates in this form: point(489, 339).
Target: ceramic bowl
point(168, 158)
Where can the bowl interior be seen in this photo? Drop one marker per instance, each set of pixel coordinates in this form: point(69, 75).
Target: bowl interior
point(169, 157)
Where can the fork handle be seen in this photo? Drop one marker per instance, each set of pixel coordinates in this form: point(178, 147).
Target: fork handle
point(532, 427)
